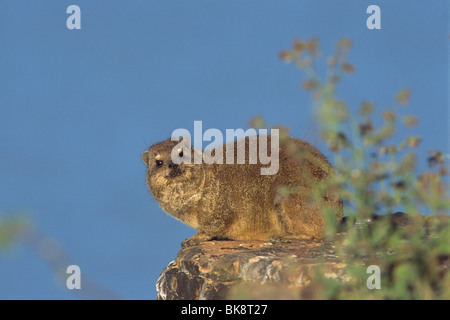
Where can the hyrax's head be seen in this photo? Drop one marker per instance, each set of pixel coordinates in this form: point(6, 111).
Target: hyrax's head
point(170, 164)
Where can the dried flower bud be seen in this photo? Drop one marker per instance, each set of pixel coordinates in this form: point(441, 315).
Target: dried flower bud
point(389, 115)
point(403, 97)
point(331, 62)
point(414, 141)
point(286, 56)
point(309, 85)
point(345, 43)
point(436, 158)
point(410, 121)
point(298, 45)
point(365, 128)
point(257, 122)
point(366, 108)
point(347, 67)
point(312, 46)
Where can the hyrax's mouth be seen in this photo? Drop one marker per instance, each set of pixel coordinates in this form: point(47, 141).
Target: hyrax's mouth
point(174, 173)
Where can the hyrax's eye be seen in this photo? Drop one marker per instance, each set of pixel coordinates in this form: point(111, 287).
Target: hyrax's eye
point(180, 153)
point(159, 163)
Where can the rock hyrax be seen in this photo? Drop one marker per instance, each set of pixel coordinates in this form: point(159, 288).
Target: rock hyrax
point(235, 201)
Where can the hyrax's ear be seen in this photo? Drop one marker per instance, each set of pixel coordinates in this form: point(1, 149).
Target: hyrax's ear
point(183, 140)
point(145, 157)
point(187, 140)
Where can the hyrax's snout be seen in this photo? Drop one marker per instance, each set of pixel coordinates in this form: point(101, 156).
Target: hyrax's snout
point(172, 165)
point(174, 169)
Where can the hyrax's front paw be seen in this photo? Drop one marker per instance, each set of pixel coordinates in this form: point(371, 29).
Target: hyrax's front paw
point(279, 239)
point(190, 242)
point(195, 240)
point(289, 238)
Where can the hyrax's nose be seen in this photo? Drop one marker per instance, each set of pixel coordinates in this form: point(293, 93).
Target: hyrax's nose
point(172, 164)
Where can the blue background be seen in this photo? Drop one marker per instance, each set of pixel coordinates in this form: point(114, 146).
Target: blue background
point(78, 107)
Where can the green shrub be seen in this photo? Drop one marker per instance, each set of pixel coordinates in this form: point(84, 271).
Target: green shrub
point(376, 174)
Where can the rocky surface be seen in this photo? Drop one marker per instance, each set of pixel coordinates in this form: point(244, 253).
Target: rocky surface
point(224, 269)
point(265, 270)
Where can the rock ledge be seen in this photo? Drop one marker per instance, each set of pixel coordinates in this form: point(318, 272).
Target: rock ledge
point(216, 269)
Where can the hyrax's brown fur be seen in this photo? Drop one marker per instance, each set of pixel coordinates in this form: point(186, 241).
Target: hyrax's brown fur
point(234, 201)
